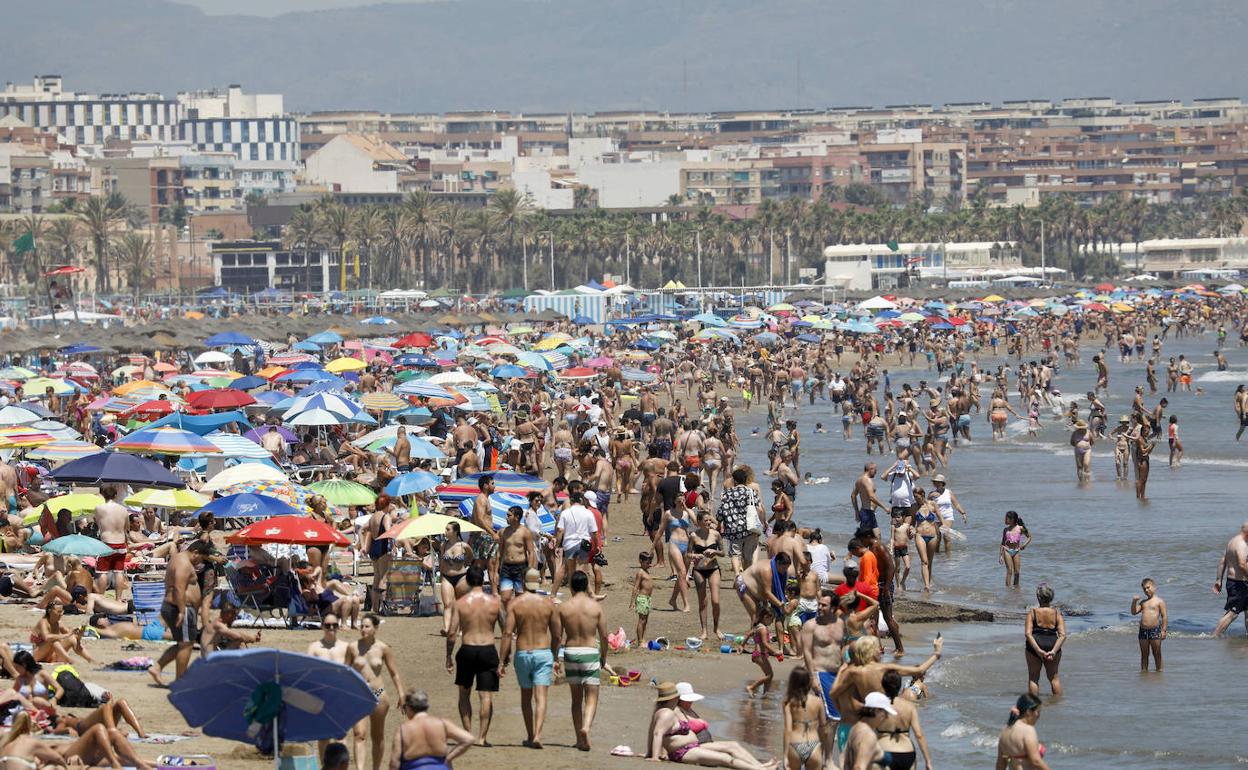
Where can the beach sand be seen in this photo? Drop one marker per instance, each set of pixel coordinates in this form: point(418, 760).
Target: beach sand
point(623, 714)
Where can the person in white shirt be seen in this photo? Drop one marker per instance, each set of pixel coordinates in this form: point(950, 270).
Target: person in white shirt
point(821, 557)
point(577, 535)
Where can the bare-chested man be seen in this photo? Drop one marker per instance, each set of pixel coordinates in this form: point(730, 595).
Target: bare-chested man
point(180, 609)
point(584, 654)
point(864, 673)
point(1234, 567)
point(602, 482)
point(756, 584)
point(519, 555)
point(485, 542)
point(113, 521)
point(821, 652)
point(864, 500)
point(273, 441)
point(533, 620)
point(401, 451)
point(474, 616)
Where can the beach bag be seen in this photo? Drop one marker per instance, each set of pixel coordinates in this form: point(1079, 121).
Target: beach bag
point(753, 522)
point(76, 693)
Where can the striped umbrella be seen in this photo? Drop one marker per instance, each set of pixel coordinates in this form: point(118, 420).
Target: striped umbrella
point(475, 401)
point(343, 492)
point(556, 360)
point(64, 449)
point(233, 445)
point(422, 448)
point(178, 499)
point(383, 402)
point(165, 441)
point(423, 388)
point(17, 438)
point(294, 495)
point(466, 487)
point(501, 501)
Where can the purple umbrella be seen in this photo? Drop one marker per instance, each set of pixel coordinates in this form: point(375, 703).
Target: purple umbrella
point(255, 434)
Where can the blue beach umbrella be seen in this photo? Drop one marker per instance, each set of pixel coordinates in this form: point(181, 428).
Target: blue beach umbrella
point(228, 338)
point(116, 467)
point(78, 545)
point(411, 483)
point(249, 505)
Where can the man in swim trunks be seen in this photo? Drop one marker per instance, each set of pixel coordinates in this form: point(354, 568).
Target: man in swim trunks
point(863, 499)
point(474, 615)
point(1234, 567)
point(519, 554)
point(584, 630)
point(113, 522)
point(821, 649)
point(532, 618)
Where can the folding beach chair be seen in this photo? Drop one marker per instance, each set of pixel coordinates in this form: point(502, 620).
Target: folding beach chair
point(148, 596)
point(405, 582)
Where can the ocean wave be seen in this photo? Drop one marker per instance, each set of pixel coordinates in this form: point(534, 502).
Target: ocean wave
point(1230, 375)
point(1229, 462)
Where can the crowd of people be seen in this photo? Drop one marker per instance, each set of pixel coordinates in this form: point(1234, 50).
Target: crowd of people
point(522, 597)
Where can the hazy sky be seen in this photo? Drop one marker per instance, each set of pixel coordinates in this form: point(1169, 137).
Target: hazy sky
point(276, 7)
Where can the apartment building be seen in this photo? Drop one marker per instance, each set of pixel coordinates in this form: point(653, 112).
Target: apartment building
point(152, 183)
point(208, 182)
point(90, 119)
point(36, 171)
point(253, 127)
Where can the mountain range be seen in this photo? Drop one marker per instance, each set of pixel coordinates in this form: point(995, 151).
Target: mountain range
point(586, 55)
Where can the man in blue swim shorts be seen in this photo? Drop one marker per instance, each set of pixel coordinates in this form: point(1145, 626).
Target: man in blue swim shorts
point(532, 619)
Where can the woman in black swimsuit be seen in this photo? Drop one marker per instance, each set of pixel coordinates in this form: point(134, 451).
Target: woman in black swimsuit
point(452, 564)
point(1045, 631)
point(705, 548)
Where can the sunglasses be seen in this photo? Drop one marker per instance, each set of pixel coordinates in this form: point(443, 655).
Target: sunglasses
point(330, 626)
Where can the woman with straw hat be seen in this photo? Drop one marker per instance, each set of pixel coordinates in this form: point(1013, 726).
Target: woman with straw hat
point(674, 737)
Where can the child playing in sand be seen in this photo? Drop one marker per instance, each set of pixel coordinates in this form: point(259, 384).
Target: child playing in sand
point(643, 587)
point(1153, 623)
point(763, 649)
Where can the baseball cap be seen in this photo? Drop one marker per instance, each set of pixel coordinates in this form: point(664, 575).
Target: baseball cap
point(878, 700)
point(687, 694)
point(532, 580)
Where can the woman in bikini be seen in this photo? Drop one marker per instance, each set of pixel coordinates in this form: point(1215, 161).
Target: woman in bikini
point(1014, 538)
point(894, 732)
point(675, 738)
point(675, 526)
point(453, 564)
point(52, 641)
point(372, 658)
point(713, 461)
point(426, 742)
point(927, 529)
point(782, 507)
point(1045, 633)
point(705, 548)
point(805, 720)
point(1019, 746)
point(998, 414)
point(379, 548)
point(623, 452)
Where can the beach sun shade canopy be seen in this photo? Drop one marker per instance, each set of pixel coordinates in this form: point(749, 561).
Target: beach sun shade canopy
point(116, 467)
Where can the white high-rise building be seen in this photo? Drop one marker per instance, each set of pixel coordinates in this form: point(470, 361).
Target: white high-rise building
point(90, 119)
point(254, 127)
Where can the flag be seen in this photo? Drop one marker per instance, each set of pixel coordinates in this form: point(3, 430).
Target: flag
point(892, 245)
point(24, 244)
point(915, 260)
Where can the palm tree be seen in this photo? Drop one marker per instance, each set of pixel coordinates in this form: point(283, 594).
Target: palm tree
point(367, 230)
point(423, 217)
point(510, 209)
point(63, 237)
point(303, 232)
point(102, 217)
point(337, 224)
point(135, 256)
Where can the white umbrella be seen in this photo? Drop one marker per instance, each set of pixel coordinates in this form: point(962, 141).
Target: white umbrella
point(212, 357)
point(232, 445)
point(877, 303)
point(16, 415)
point(453, 378)
point(388, 431)
point(241, 473)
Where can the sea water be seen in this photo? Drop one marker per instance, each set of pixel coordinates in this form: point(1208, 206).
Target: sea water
point(1093, 544)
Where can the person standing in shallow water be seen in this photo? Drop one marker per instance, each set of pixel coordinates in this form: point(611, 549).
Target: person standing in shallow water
point(1154, 623)
point(1045, 633)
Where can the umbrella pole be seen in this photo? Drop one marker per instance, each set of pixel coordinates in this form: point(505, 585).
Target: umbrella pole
point(277, 736)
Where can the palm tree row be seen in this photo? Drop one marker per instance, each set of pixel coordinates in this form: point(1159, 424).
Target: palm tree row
point(426, 243)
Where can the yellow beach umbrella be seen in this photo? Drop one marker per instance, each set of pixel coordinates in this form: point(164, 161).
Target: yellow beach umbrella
point(78, 503)
point(180, 499)
point(345, 364)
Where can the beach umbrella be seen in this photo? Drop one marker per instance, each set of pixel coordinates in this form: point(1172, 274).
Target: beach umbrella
point(178, 499)
point(378, 320)
point(77, 545)
point(427, 525)
point(325, 338)
point(229, 338)
point(316, 418)
point(78, 348)
point(255, 434)
point(504, 481)
point(422, 448)
point(329, 402)
point(475, 401)
point(411, 483)
point(414, 415)
point(416, 359)
point(305, 375)
point(345, 364)
point(344, 493)
point(212, 357)
point(314, 698)
point(500, 502)
point(290, 530)
point(233, 445)
point(383, 402)
point(767, 339)
point(578, 373)
point(414, 340)
point(38, 386)
point(247, 382)
point(153, 409)
point(294, 495)
point(165, 441)
point(453, 378)
point(77, 503)
point(223, 398)
point(509, 371)
point(22, 438)
point(64, 449)
point(13, 415)
point(423, 388)
point(250, 505)
point(240, 474)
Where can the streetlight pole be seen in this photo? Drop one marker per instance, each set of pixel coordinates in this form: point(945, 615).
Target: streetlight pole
point(551, 233)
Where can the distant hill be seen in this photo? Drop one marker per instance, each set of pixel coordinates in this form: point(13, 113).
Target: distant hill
point(560, 55)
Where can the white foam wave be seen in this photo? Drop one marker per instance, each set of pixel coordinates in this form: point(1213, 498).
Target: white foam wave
point(1229, 462)
point(1230, 375)
point(961, 730)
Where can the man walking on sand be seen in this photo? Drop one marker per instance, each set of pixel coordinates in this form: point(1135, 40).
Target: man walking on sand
point(474, 615)
point(532, 619)
point(584, 654)
point(1234, 567)
point(180, 609)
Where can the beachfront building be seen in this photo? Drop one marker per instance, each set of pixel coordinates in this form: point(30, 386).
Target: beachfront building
point(90, 119)
point(1185, 258)
point(251, 267)
point(253, 127)
point(862, 266)
point(36, 172)
point(208, 181)
point(359, 163)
